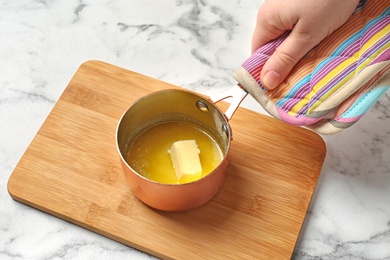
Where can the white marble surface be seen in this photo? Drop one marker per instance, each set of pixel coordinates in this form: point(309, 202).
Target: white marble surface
point(194, 44)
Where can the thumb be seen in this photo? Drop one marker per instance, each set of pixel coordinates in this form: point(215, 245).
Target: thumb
point(285, 57)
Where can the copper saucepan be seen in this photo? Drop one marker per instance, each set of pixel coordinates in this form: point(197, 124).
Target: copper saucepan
point(175, 104)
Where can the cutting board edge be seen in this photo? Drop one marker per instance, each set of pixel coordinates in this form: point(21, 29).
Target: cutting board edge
point(96, 230)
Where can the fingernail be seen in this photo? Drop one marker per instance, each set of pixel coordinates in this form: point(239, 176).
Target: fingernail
point(271, 79)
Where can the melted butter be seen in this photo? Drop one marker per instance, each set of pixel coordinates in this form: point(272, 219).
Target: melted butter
point(148, 154)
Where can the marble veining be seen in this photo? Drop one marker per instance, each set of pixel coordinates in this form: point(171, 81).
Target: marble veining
point(196, 44)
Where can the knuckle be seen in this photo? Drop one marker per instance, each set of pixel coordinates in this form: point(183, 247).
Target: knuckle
point(286, 58)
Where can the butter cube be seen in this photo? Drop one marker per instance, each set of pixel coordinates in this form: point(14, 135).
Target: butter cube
point(185, 158)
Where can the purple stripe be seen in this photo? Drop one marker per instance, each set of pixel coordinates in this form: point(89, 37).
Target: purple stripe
point(261, 55)
point(289, 105)
point(328, 86)
point(369, 52)
point(264, 50)
point(331, 65)
point(293, 101)
point(343, 74)
point(374, 30)
point(356, 45)
point(254, 61)
point(336, 79)
point(348, 52)
point(351, 49)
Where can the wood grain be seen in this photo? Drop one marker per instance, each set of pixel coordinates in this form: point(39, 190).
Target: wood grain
point(71, 170)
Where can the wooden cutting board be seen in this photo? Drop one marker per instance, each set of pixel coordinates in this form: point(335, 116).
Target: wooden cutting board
point(71, 170)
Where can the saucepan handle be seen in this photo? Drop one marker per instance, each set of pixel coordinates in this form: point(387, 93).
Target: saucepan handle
point(237, 93)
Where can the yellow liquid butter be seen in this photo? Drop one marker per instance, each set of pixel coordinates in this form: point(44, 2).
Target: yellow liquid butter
point(148, 153)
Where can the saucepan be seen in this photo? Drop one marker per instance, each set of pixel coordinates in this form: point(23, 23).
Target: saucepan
point(173, 105)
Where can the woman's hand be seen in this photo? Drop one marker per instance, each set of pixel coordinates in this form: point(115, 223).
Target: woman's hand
point(310, 21)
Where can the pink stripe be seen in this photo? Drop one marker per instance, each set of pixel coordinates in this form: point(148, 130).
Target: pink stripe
point(299, 121)
point(254, 62)
point(384, 56)
point(348, 120)
point(294, 100)
point(374, 29)
point(325, 89)
point(331, 65)
point(369, 52)
point(351, 49)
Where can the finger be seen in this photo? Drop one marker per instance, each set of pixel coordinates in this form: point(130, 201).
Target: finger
point(262, 35)
point(285, 57)
point(264, 31)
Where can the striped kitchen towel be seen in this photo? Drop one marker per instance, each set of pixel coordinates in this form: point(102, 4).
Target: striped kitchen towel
point(336, 83)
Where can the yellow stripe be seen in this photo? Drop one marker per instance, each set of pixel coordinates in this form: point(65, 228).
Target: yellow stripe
point(374, 39)
point(320, 85)
point(331, 91)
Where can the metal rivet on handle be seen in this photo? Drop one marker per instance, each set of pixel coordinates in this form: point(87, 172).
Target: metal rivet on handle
point(225, 130)
point(202, 106)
